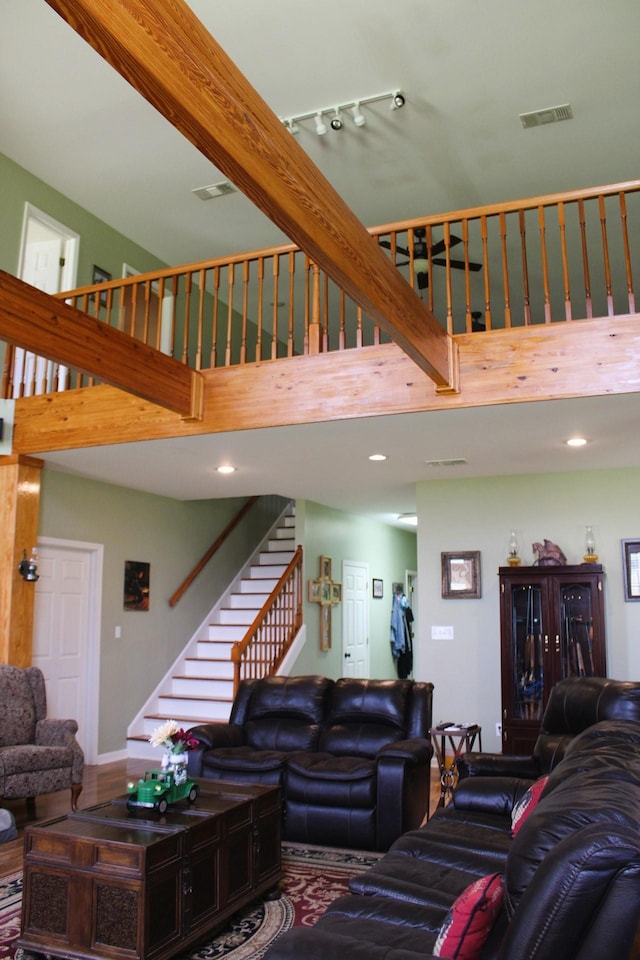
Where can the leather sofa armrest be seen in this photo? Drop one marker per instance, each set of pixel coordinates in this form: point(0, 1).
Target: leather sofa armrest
point(416, 750)
point(496, 795)
point(497, 765)
point(213, 735)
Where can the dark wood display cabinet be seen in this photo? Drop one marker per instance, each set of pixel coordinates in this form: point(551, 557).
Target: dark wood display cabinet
point(552, 627)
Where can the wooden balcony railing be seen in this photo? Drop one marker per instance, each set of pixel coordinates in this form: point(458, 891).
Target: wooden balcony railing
point(549, 259)
point(274, 629)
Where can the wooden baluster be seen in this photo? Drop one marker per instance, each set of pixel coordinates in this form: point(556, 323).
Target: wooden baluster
point(175, 284)
point(260, 317)
point(215, 314)
point(158, 343)
point(525, 269)
point(467, 276)
point(307, 298)
point(358, 326)
point(343, 320)
point(485, 270)
point(202, 292)
point(627, 253)
point(230, 286)
point(429, 241)
point(325, 313)
point(274, 325)
point(565, 261)
point(505, 271)
point(545, 264)
point(447, 240)
point(605, 255)
point(245, 311)
point(147, 309)
point(315, 340)
point(585, 259)
point(7, 372)
point(188, 281)
point(292, 276)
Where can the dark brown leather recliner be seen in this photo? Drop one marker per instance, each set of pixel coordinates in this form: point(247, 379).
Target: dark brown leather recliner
point(352, 756)
point(574, 704)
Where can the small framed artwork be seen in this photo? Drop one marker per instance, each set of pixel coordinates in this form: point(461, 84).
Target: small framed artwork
point(461, 575)
point(325, 627)
point(325, 568)
point(314, 591)
point(136, 585)
point(378, 589)
point(336, 592)
point(631, 564)
point(101, 276)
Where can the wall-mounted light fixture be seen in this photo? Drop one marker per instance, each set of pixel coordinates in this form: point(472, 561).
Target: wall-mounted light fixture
point(29, 567)
point(354, 108)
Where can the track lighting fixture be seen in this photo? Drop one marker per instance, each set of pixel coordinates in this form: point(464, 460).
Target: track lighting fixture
point(321, 127)
point(336, 114)
point(358, 117)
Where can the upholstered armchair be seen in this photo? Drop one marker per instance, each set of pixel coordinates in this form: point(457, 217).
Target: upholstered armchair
point(37, 755)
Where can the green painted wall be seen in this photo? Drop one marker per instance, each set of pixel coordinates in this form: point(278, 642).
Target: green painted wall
point(388, 551)
point(172, 536)
point(478, 515)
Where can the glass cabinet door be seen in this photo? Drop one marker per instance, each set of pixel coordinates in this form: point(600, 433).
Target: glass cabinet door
point(577, 630)
point(528, 638)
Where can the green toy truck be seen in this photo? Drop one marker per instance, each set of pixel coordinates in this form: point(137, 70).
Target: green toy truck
point(158, 788)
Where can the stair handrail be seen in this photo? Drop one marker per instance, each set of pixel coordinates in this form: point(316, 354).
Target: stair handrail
point(285, 632)
point(215, 546)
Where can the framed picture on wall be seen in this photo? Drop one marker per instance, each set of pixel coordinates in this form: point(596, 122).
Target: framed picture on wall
point(631, 563)
point(461, 575)
point(378, 588)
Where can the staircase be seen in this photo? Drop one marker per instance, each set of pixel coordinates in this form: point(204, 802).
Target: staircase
point(199, 688)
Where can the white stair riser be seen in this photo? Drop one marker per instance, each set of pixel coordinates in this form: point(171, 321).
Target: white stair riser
point(243, 616)
point(201, 687)
point(198, 710)
point(278, 557)
point(283, 533)
point(267, 574)
point(197, 713)
point(210, 669)
point(264, 584)
point(213, 651)
point(225, 632)
point(244, 601)
point(289, 521)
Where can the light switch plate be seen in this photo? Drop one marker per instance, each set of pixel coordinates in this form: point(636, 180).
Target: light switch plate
point(441, 633)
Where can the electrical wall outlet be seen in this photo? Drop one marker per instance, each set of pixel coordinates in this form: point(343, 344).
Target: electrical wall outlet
point(499, 730)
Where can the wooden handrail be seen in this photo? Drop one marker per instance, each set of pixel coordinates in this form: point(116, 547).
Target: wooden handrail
point(215, 546)
point(263, 648)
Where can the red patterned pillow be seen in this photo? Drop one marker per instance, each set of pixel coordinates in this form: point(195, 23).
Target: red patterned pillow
point(526, 804)
point(470, 920)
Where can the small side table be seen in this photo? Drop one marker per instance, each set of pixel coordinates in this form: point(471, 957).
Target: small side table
point(461, 740)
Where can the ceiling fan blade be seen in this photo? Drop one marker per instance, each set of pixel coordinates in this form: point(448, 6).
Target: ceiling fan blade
point(387, 245)
point(441, 245)
point(457, 264)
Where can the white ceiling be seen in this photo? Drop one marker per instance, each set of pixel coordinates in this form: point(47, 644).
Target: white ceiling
point(467, 70)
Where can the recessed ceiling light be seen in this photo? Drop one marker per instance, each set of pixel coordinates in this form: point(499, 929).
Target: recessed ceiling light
point(226, 469)
point(576, 442)
point(410, 518)
point(378, 456)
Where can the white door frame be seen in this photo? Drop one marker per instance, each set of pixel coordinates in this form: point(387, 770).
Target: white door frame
point(70, 239)
point(92, 663)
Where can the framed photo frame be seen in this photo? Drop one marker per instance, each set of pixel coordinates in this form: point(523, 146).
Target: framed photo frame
point(336, 592)
point(461, 578)
point(631, 566)
point(325, 627)
point(314, 591)
point(101, 276)
point(325, 568)
point(378, 589)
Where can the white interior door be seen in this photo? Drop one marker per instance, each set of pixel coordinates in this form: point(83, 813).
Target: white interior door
point(66, 633)
point(355, 619)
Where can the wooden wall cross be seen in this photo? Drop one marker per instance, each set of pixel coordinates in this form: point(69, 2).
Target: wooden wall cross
point(326, 592)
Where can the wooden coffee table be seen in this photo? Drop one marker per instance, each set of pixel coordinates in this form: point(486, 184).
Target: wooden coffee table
point(114, 882)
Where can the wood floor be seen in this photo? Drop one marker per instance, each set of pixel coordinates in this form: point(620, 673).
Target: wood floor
point(100, 783)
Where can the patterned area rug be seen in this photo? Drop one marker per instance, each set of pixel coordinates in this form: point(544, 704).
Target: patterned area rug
point(313, 877)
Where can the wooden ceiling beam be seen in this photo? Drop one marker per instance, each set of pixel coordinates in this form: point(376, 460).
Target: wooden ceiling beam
point(166, 53)
point(51, 328)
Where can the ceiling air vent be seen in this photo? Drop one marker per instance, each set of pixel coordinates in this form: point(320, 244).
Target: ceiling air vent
point(214, 190)
point(549, 115)
point(458, 462)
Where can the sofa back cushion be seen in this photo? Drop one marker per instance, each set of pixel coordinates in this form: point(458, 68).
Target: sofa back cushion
point(285, 713)
point(17, 707)
point(365, 715)
point(577, 703)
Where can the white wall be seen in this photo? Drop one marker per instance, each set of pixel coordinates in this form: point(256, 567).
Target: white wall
point(478, 515)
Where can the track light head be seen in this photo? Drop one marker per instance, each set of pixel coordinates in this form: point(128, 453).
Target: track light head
point(336, 121)
point(397, 101)
point(358, 117)
point(321, 127)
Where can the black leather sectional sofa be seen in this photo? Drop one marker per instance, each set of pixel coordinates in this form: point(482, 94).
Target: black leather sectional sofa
point(351, 756)
point(569, 879)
